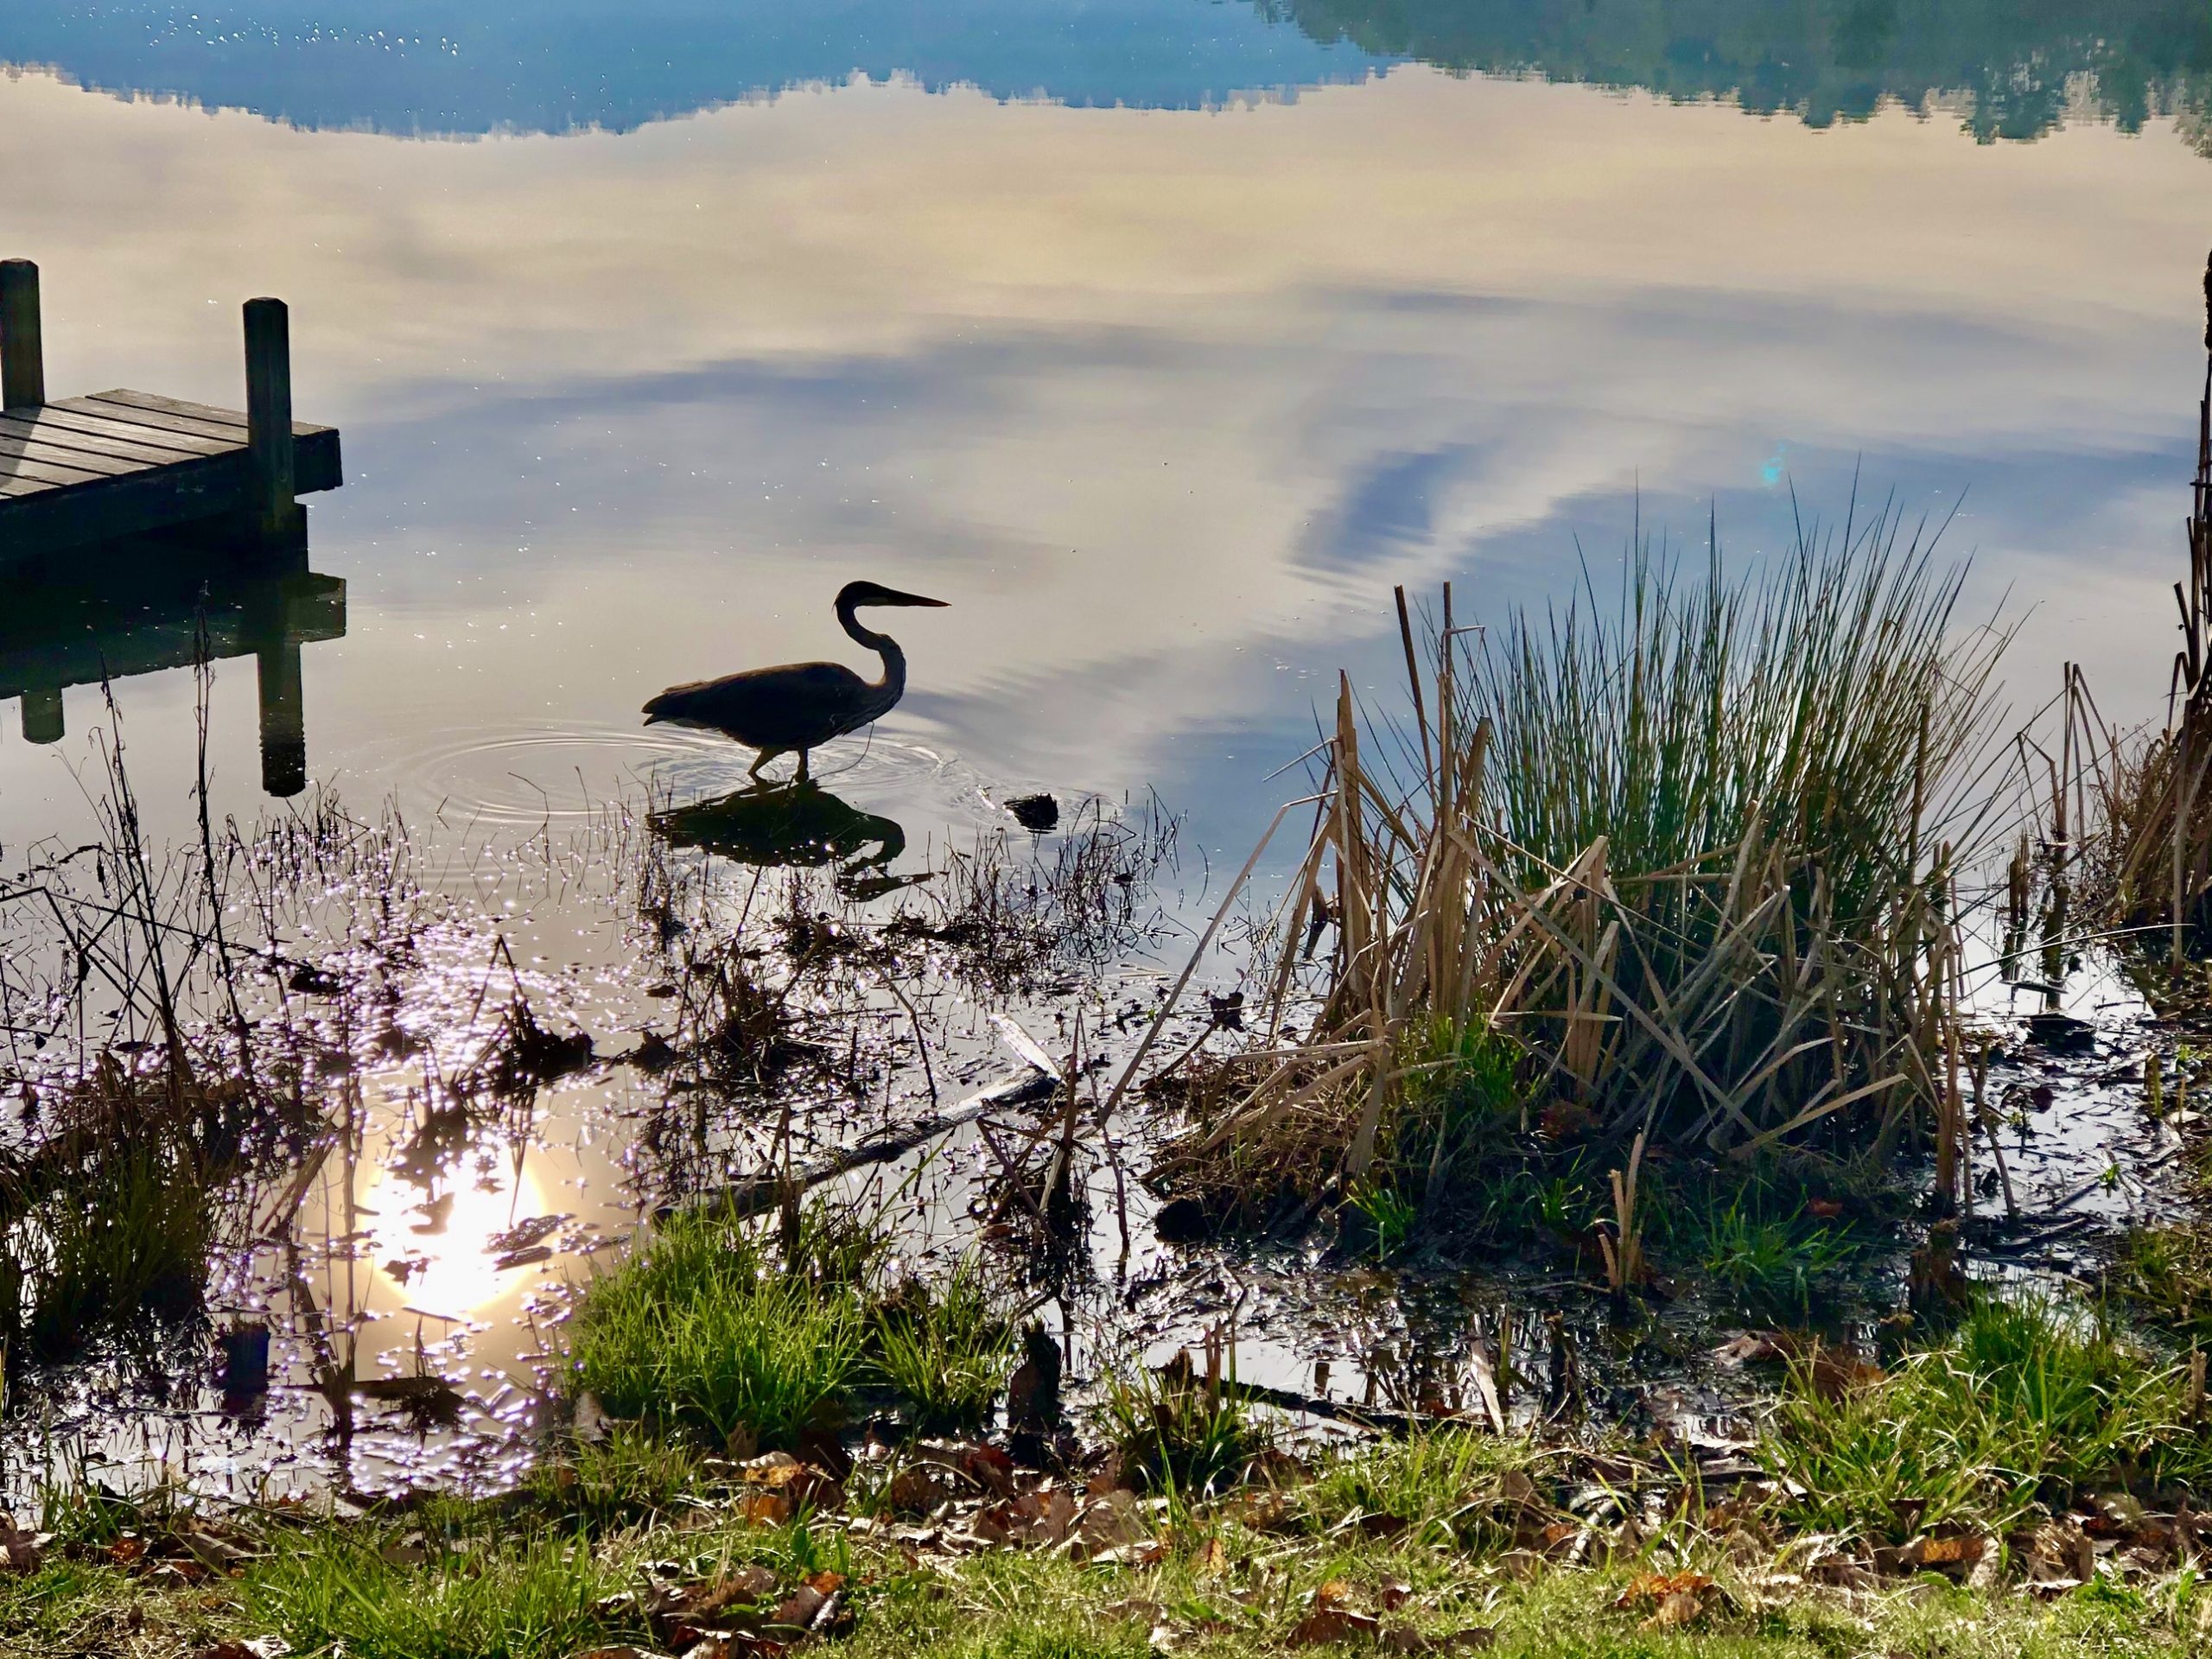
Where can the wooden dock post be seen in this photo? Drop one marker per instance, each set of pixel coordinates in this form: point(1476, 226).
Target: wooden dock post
point(283, 718)
point(23, 352)
point(43, 715)
point(277, 517)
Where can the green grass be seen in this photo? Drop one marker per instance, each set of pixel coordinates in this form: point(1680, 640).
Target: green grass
point(702, 1328)
point(631, 1476)
point(1446, 1485)
point(2165, 1274)
point(945, 1350)
point(339, 1593)
point(1768, 1256)
point(2027, 1399)
point(1458, 1112)
point(699, 1329)
point(509, 1579)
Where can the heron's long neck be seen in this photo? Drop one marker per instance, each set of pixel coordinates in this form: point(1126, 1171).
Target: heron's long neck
point(892, 685)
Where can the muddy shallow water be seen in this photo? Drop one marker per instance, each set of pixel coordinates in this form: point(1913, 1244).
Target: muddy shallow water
point(1160, 339)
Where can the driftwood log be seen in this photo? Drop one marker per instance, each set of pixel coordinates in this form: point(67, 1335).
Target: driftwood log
point(757, 1195)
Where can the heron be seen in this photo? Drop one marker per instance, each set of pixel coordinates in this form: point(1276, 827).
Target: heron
point(797, 706)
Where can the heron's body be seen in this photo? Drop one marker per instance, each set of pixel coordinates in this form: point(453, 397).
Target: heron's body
point(798, 706)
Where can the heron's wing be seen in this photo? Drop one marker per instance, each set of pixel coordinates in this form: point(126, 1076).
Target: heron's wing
point(797, 704)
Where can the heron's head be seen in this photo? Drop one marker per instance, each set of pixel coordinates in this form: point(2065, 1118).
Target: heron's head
point(855, 595)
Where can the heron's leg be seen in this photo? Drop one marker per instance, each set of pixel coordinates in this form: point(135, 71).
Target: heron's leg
point(760, 761)
point(799, 776)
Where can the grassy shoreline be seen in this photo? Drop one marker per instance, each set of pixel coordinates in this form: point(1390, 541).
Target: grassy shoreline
point(624, 1550)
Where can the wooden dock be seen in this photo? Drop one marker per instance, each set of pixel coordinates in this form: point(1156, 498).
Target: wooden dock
point(130, 463)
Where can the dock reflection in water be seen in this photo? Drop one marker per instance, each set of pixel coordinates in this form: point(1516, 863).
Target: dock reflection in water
point(146, 611)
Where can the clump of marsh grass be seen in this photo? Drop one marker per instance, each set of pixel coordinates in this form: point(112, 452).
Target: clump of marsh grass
point(132, 1236)
point(699, 1330)
point(1180, 1430)
point(1774, 1264)
point(1690, 862)
point(945, 1350)
point(2029, 1400)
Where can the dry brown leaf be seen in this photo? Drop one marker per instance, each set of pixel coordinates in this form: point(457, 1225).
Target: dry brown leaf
point(1648, 1588)
point(766, 1509)
point(1677, 1609)
point(1325, 1625)
point(772, 1469)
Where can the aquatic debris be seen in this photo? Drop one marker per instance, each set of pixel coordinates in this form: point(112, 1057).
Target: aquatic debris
point(1038, 814)
point(760, 1194)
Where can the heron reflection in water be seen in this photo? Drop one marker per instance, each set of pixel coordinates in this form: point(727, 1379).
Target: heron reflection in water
point(799, 824)
point(797, 706)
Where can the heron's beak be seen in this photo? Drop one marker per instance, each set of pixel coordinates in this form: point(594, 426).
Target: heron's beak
point(891, 597)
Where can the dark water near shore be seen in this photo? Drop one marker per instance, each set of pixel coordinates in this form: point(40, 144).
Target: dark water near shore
point(1160, 338)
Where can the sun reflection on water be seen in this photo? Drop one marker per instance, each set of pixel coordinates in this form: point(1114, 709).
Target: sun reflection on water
point(441, 1252)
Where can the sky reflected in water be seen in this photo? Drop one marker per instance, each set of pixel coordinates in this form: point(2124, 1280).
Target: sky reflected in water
point(1162, 402)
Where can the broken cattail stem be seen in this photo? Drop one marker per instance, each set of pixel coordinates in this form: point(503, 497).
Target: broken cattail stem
point(1413, 686)
point(2180, 820)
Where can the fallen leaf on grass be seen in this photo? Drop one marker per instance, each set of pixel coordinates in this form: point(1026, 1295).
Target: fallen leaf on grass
point(811, 1606)
point(1325, 1625)
point(1648, 1588)
point(772, 1469)
point(1213, 1559)
point(1674, 1611)
point(20, 1552)
point(1954, 1557)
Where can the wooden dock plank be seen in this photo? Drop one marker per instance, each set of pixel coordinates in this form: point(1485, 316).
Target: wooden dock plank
point(153, 420)
point(19, 467)
point(147, 401)
point(73, 431)
point(88, 460)
point(54, 418)
point(85, 443)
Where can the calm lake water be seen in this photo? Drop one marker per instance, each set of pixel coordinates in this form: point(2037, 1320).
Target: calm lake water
point(1159, 337)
